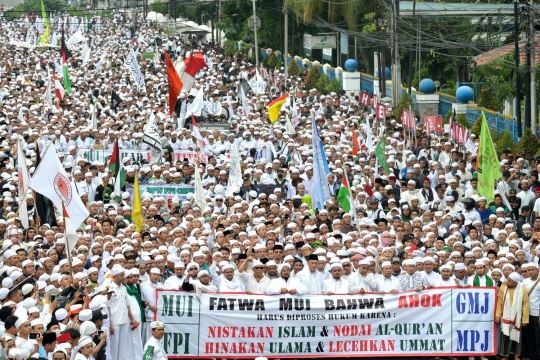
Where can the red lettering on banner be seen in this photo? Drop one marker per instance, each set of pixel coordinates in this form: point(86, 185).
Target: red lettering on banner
point(240, 332)
point(234, 348)
point(352, 330)
point(420, 301)
point(381, 112)
point(364, 98)
point(361, 345)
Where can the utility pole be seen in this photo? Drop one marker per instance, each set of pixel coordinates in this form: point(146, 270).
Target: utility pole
point(411, 54)
point(532, 55)
point(380, 60)
point(286, 44)
point(213, 15)
point(396, 71)
point(255, 33)
point(293, 32)
point(516, 69)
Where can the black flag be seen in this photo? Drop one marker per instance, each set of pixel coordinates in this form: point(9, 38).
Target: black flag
point(115, 100)
point(244, 84)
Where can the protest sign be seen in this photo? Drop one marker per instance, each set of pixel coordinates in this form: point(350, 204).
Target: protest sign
point(138, 155)
point(438, 322)
point(165, 191)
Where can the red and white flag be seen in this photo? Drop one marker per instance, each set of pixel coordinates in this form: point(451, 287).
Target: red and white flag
point(364, 98)
point(58, 88)
point(189, 68)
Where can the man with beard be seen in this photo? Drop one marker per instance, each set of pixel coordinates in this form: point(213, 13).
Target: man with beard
point(175, 282)
point(285, 284)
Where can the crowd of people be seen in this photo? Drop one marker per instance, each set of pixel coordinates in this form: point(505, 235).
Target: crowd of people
point(419, 226)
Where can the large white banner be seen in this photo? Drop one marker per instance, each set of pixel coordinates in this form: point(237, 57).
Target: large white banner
point(134, 68)
point(440, 322)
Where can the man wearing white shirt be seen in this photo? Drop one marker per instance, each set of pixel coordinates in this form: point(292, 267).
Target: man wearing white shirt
point(387, 283)
point(363, 281)
point(175, 282)
point(285, 284)
point(445, 278)
point(428, 273)
point(531, 333)
point(480, 279)
point(336, 284)
point(148, 295)
point(257, 282)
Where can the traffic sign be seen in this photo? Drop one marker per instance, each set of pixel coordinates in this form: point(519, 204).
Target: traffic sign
point(254, 21)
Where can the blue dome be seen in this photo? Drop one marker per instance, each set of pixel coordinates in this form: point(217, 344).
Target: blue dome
point(464, 94)
point(351, 65)
point(427, 86)
point(386, 73)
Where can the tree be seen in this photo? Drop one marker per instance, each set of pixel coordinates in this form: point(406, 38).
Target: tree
point(312, 77)
point(407, 103)
point(293, 68)
point(506, 141)
point(34, 7)
point(528, 145)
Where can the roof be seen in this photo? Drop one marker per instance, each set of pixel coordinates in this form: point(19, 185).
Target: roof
point(490, 56)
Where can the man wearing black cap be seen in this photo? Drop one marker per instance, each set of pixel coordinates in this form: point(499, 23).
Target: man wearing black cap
point(310, 277)
point(48, 344)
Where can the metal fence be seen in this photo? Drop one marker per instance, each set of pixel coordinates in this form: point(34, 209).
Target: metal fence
point(496, 121)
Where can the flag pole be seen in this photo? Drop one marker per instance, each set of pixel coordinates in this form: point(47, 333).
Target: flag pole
point(68, 251)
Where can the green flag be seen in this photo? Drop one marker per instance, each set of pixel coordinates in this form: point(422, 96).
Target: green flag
point(379, 153)
point(487, 163)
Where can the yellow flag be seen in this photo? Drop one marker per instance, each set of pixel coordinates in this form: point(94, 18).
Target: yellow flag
point(489, 169)
point(137, 215)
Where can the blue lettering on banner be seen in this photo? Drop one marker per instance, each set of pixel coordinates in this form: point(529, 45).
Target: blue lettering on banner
point(467, 340)
point(471, 301)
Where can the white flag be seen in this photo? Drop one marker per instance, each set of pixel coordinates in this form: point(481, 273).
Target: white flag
point(197, 105)
point(51, 180)
point(76, 38)
point(21, 114)
point(134, 68)
point(24, 179)
point(94, 117)
point(199, 190)
point(245, 105)
point(85, 54)
point(235, 172)
point(48, 93)
point(54, 40)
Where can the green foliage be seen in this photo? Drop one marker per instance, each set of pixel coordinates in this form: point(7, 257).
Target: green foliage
point(406, 102)
point(229, 46)
point(462, 120)
point(312, 77)
point(293, 68)
point(497, 85)
point(475, 129)
point(34, 7)
point(335, 86)
point(528, 145)
point(446, 117)
point(506, 141)
point(273, 60)
point(424, 73)
point(323, 82)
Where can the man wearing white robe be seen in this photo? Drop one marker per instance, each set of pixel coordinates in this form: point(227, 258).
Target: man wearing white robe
point(310, 277)
point(337, 284)
point(387, 283)
point(148, 295)
point(135, 348)
point(285, 284)
point(175, 282)
point(362, 281)
point(445, 278)
point(227, 282)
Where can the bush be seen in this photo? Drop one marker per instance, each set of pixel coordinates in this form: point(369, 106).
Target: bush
point(405, 102)
point(506, 141)
point(312, 77)
point(477, 127)
point(272, 62)
point(462, 120)
point(334, 86)
point(293, 68)
point(323, 82)
point(229, 47)
point(528, 145)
